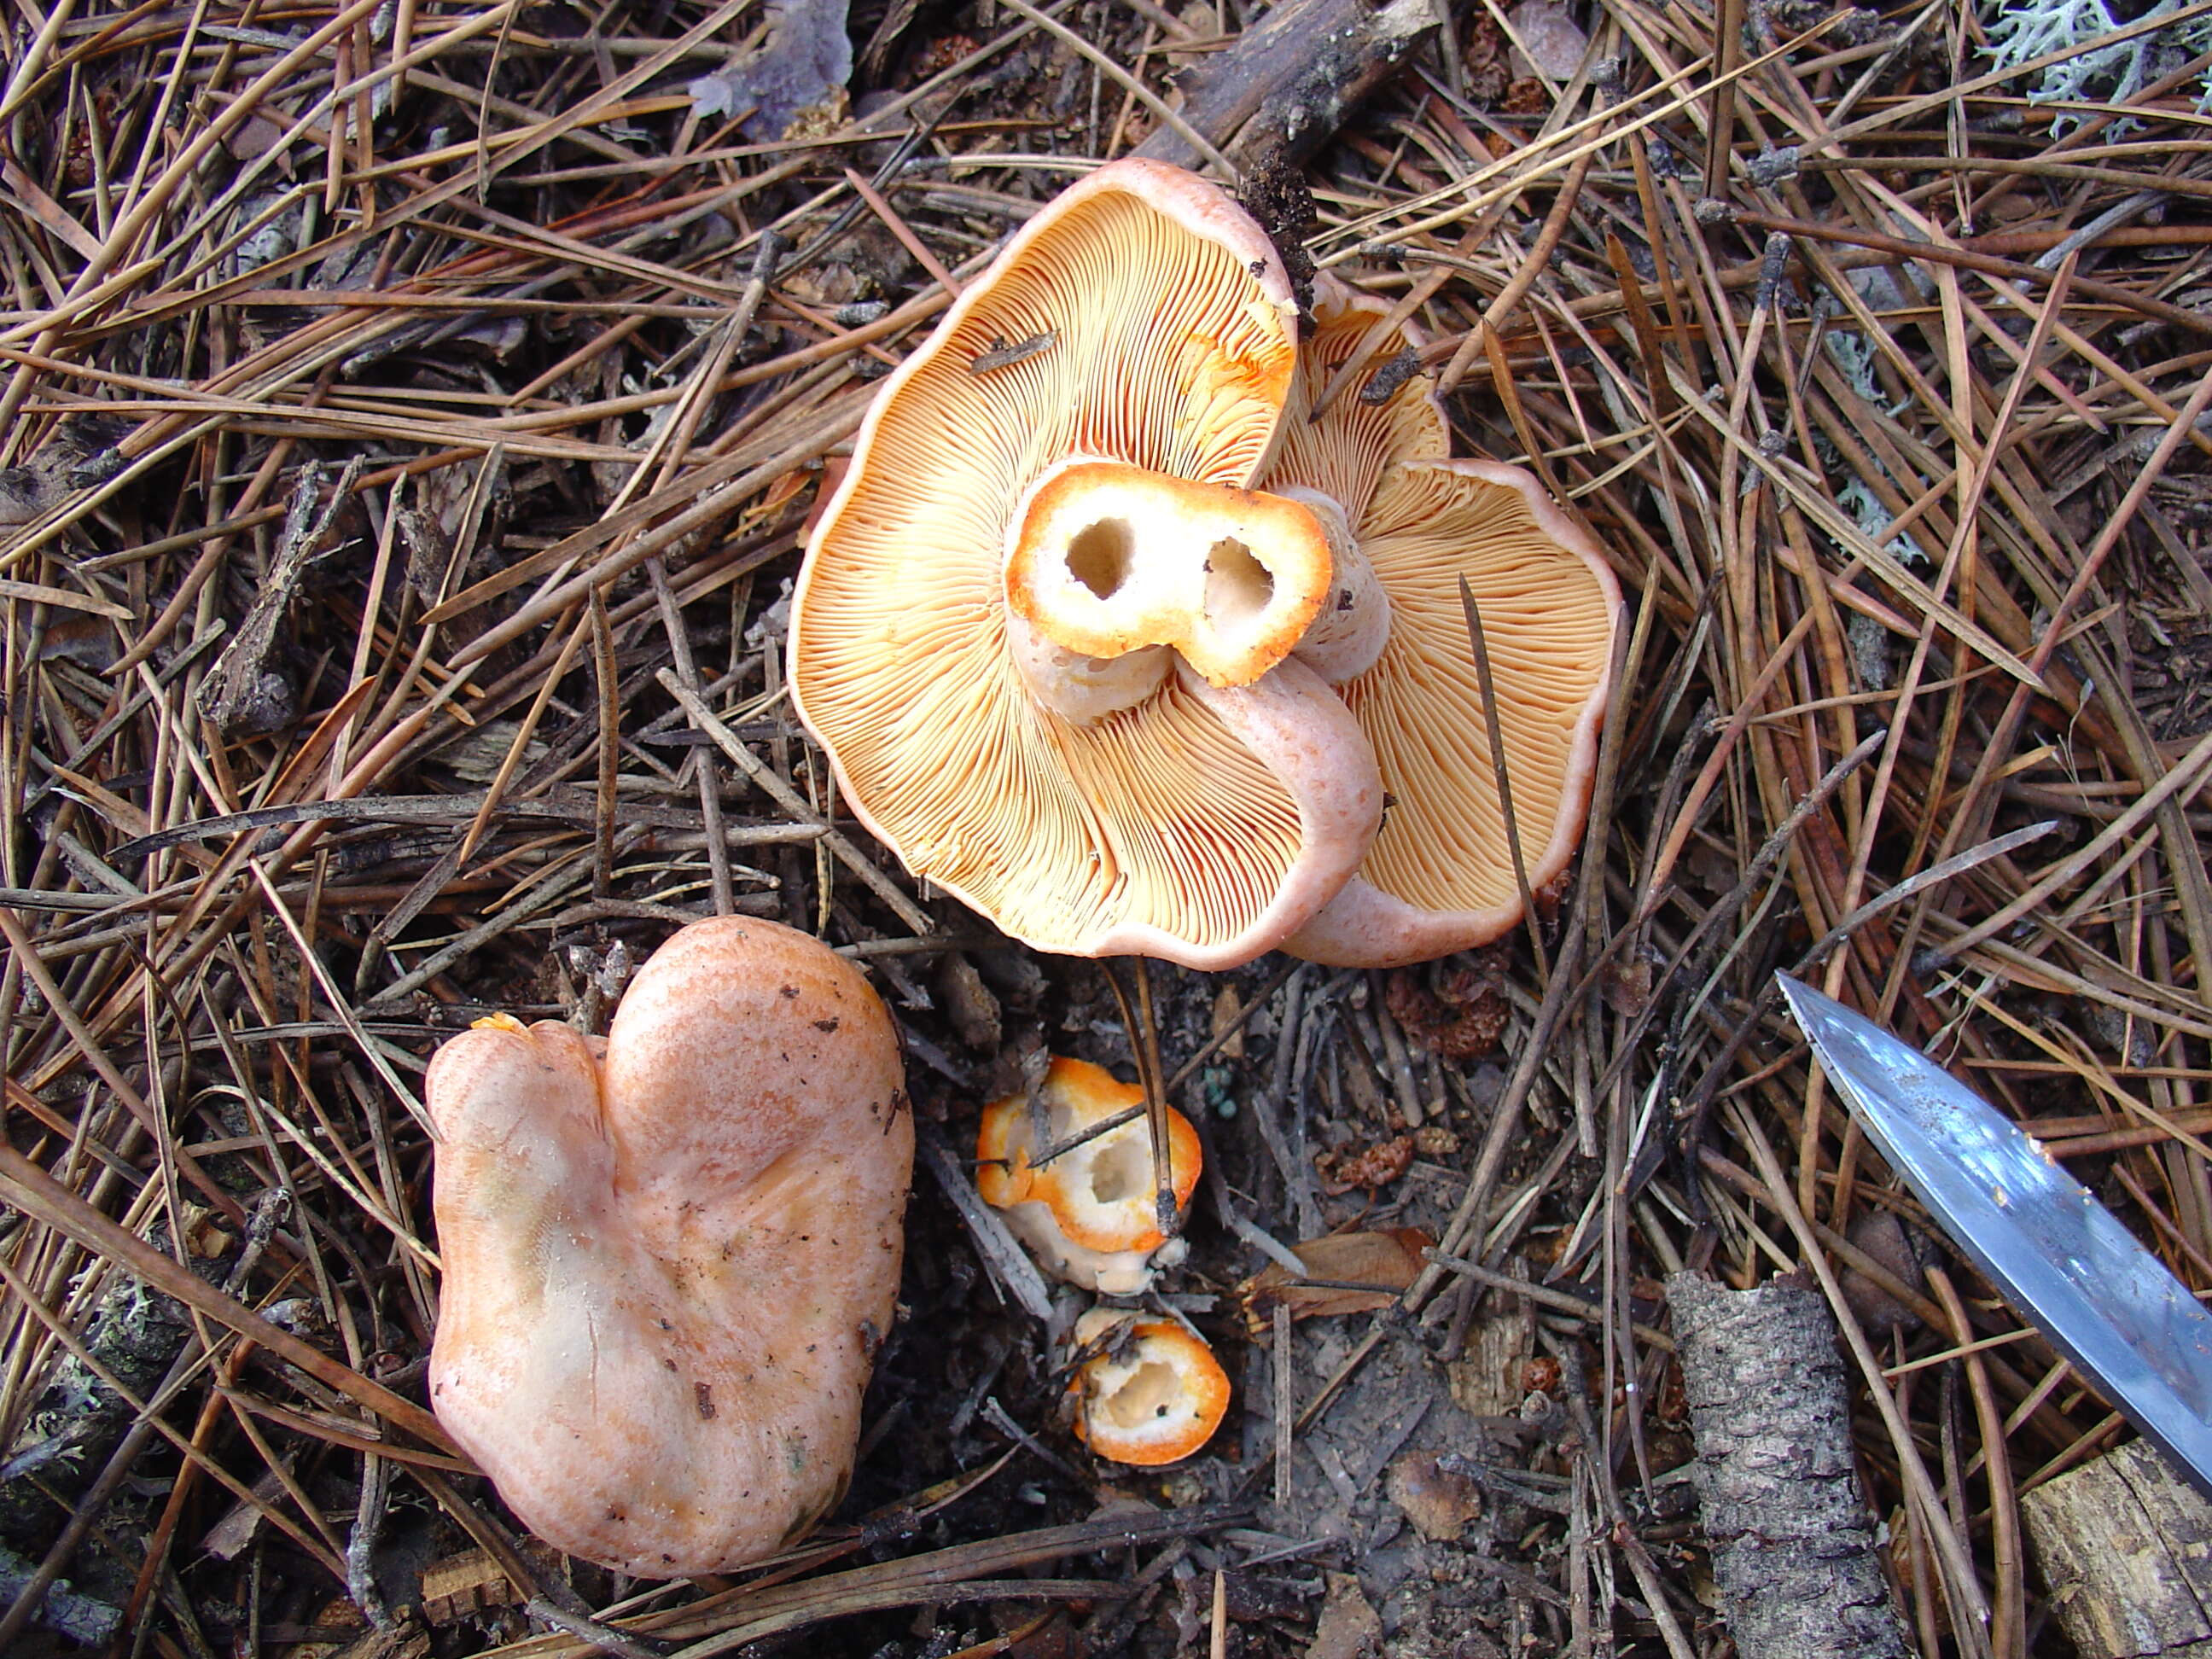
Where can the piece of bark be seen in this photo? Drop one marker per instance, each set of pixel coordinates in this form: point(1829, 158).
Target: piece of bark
point(80, 454)
point(245, 692)
point(1287, 84)
point(1770, 1410)
point(2126, 1550)
point(81, 1618)
point(1347, 1627)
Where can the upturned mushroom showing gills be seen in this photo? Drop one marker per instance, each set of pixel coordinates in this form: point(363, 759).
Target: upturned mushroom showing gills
point(1088, 1215)
point(1109, 636)
point(1439, 876)
point(669, 1257)
point(1116, 756)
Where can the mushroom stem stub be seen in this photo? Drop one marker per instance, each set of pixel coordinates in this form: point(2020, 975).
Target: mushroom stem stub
point(1151, 1393)
point(1108, 559)
point(1088, 1214)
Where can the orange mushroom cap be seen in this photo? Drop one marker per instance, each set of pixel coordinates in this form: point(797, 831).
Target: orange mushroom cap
point(1152, 1393)
point(669, 1257)
point(1438, 875)
point(1089, 1214)
point(1109, 795)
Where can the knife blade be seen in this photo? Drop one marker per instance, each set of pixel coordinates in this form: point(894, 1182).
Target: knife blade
point(2063, 1260)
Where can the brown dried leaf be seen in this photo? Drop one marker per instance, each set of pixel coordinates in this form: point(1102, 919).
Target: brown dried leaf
point(1388, 1260)
point(1438, 1502)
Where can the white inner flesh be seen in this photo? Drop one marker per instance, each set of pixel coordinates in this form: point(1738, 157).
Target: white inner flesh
point(1153, 1391)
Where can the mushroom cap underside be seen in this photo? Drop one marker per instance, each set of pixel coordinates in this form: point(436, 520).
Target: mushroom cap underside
point(1162, 338)
point(1439, 876)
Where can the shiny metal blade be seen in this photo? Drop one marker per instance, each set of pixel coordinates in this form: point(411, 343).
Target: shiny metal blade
point(2060, 1257)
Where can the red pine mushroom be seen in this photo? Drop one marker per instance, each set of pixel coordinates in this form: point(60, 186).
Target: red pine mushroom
point(669, 1257)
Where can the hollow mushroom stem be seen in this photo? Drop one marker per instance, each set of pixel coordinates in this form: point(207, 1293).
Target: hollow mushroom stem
point(1087, 1215)
point(1109, 559)
point(1150, 1393)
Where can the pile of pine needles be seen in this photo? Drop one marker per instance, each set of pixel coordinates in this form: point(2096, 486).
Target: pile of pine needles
point(410, 414)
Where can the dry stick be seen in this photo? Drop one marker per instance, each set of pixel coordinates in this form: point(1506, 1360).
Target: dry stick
point(1287, 82)
point(1004, 1259)
point(1143, 1046)
point(710, 793)
point(605, 680)
point(1720, 130)
point(603, 1637)
point(1481, 646)
point(1591, 1312)
point(1167, 1214)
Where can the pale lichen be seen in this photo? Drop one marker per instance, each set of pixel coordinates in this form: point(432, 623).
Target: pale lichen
point(2099, 71)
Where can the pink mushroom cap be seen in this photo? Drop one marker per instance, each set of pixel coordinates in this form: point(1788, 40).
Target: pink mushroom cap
point(670, 1258)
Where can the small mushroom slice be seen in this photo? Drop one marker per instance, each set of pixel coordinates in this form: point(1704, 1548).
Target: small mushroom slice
point(1439, 875)
point(670, 1258)
point(1150, 1393)
point(1088, 1215)
point(1086, 805)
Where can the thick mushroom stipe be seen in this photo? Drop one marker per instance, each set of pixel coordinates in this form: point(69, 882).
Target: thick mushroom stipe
point(1108, 559)
point(1152, 1393)
point(1348, 632)
point(670, 1258)
point(1088, 1216)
